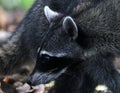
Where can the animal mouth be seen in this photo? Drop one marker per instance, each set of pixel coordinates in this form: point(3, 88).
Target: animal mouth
point(49, 69)
point(46, 71)
point(50, 84)
point(53, 75)
point(52, 68)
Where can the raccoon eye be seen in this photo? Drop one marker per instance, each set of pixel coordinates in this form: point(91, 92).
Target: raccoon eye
point(70, 27)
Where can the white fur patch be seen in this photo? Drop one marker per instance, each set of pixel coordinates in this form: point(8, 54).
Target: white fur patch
point(50, 14)
point(53, 54)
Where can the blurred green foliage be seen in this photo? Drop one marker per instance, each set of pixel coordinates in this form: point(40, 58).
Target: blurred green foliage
point(13, 4)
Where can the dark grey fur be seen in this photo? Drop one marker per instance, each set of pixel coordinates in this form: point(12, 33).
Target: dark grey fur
point(96, 47)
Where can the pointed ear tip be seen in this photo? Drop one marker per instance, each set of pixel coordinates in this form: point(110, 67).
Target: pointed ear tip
point(46, 8)
point(68, 17)
point(70, 20)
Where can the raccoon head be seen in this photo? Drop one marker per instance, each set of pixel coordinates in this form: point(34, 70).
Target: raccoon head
point(59, 48)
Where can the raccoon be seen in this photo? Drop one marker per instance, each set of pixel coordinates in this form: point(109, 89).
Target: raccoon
point(87, 38)
point(78, 45)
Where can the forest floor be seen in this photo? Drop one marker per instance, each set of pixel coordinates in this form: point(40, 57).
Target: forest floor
point(16, 84)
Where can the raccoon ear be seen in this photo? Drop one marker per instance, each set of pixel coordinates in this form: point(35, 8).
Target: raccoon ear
point(50, 14)
point(70, 27)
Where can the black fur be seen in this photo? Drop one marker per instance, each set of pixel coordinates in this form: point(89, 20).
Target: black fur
point(90, 59)
point(96, 48)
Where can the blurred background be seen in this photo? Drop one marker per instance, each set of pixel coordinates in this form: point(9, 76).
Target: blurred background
point(12, 12)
